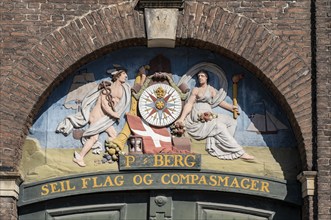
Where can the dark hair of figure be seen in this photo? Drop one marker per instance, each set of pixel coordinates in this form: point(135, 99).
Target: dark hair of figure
point(204, 72)
point(117, 75)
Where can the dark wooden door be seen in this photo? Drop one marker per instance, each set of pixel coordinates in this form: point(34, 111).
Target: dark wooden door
point(161, 205)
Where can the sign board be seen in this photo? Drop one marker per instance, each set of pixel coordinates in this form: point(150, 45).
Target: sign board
point(160, 161)
point(186, 180)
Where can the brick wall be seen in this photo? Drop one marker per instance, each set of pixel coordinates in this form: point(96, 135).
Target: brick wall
point(43, 40)
point(8, 208)
point(22, 36)
point(323, 94)
point(259, 49)
point(31, 54)
point(290, 20)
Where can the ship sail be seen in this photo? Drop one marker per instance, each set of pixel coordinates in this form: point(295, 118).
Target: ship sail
point(265, 124)
point(81, 85)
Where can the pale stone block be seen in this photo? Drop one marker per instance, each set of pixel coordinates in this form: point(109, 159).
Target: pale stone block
point(161, 25)
point(9, 188)
point(307, 179)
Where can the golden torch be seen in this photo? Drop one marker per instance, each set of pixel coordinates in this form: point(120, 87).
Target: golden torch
point(235, 79)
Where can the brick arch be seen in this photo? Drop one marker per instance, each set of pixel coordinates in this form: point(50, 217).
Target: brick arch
point(117, 26)
point(256, 48)
point(61, 52)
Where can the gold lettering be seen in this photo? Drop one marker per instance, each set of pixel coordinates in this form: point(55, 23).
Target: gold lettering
point(62, 186)
point(119, 180)
point(148, 179)
point(84, 182)
point(68, 185)
point(129, 160)
point(137, 180)
point(212, 181)
point(194, 178)
point(108, 181)
point(174, 160)
point(185, 178)
point(243, 185)
point(224, 180)
point(178, 161)
point(175, 179)
point(235, 183)
point(45, 190)
point(158, 160)
point(202, 180)
point(253, 186)
point(95, 182)
point(189, 164)
point(265, 187)
point(167, 161)
point(53, 188)
point(163, 181)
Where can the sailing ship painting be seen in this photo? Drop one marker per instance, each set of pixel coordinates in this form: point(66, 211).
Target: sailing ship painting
point(81, 85)
point(265, 123)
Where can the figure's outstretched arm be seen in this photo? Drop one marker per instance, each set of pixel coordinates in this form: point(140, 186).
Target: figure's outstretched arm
point(188, 106)
point(228, 106)
point(224, 104)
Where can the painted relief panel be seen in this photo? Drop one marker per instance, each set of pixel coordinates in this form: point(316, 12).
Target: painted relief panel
point(161, 101)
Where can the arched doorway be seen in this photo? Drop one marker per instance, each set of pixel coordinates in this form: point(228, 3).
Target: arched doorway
point(59, 55)
point(166, 184)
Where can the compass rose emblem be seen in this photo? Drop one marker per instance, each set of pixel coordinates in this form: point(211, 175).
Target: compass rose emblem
point(160, 105)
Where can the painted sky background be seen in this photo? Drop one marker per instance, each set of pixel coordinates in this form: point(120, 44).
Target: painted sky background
point(253, 97)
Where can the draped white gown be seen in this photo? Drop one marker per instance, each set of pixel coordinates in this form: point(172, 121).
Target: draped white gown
point(217, 132)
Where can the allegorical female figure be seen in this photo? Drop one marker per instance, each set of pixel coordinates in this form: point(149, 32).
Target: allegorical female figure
point(201, 123)
point(101, 108)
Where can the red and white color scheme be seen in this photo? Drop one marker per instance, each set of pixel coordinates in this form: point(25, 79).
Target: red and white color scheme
point(156, 140)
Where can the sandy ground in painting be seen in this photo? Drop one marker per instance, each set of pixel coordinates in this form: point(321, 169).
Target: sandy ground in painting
point(38, 163)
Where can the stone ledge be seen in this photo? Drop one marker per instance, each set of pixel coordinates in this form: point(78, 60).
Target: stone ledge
point(307, 179)
point(161, 26)
point(9, 184)
point(160, 4)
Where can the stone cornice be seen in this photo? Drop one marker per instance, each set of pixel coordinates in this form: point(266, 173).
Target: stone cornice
point(9, 184)
point(307, 179)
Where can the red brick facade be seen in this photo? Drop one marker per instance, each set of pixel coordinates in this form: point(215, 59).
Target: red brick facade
point(43, 41)
point(322, 63)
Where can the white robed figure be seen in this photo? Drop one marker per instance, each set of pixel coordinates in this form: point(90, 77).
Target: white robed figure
point(101, 108)
point(218, 129)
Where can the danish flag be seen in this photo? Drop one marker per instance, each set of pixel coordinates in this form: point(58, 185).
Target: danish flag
point(155, 140)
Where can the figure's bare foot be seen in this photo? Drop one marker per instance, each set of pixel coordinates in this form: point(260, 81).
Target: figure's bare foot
point(246, 156)
point(78, 160)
